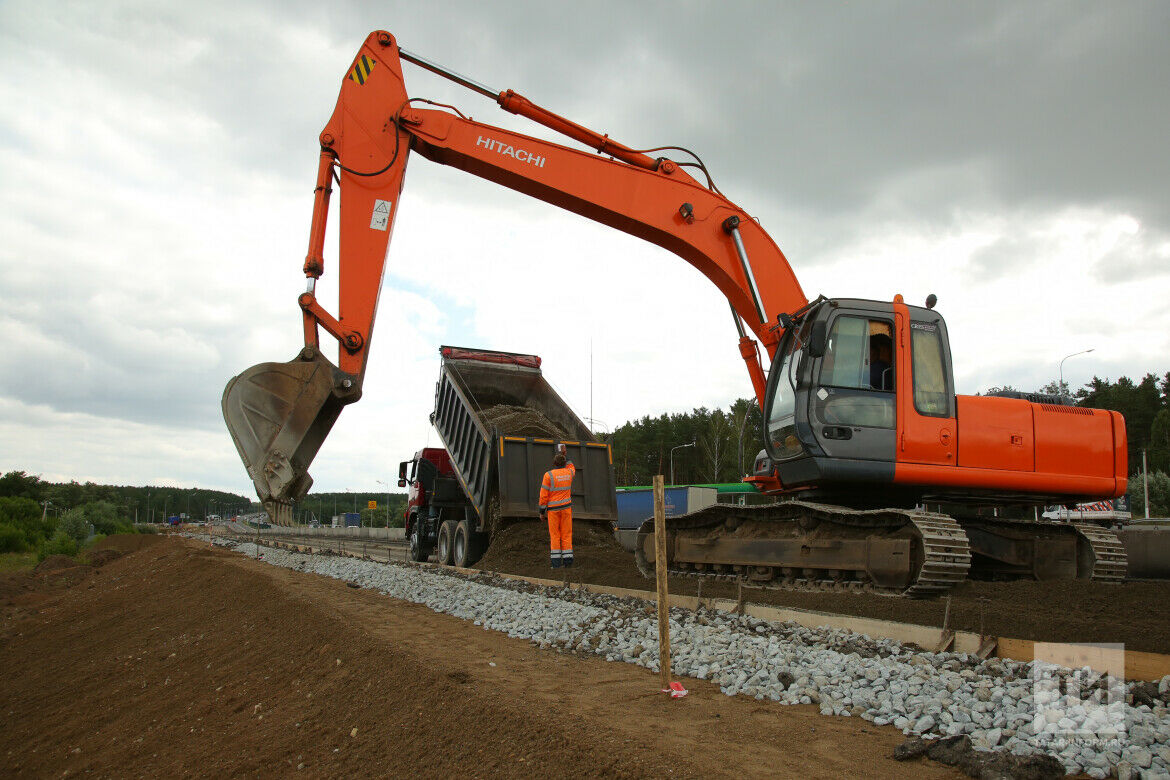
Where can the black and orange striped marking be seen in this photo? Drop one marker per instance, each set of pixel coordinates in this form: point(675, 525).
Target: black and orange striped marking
point(361, 71)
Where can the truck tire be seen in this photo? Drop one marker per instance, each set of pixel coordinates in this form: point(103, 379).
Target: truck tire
point(444, 547)
point(466, 548)
point(417, 544)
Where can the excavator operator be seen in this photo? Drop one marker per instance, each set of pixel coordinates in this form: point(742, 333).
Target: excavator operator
point(556, 505)
point(880, 349)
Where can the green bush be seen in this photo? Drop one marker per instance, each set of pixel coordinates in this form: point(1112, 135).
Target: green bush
point(24, 514)
point(1159, 495)
point(12, 539)
point(61, 544)
point(73, 524)
point(103, 515)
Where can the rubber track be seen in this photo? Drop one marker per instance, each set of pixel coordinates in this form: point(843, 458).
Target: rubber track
point(946, 551)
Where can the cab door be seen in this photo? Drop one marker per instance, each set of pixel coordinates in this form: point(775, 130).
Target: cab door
point(852, 406)
point(926, 400)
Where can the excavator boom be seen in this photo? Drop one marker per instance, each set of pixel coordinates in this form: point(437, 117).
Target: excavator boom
point(280, 413)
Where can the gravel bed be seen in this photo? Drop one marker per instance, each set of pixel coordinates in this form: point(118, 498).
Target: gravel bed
point(1092, 724)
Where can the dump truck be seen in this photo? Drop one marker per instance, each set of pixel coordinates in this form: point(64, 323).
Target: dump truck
point(500, 422)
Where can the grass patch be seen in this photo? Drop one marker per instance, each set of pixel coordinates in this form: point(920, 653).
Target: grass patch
point(17, 561)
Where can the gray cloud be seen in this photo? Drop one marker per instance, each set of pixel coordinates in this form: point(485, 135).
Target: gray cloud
point(159, 160)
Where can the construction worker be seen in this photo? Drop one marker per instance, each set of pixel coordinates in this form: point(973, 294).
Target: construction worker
point(556, 506)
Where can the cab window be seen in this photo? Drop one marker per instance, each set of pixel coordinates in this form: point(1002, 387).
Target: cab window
point(782, 413)
point(930, 378)
point(857, 374)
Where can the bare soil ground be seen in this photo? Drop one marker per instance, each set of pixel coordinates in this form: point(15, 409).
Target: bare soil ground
point(176, 659)
point(1071, 611)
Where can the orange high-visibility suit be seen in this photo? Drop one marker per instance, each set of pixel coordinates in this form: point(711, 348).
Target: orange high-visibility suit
point(556, 500)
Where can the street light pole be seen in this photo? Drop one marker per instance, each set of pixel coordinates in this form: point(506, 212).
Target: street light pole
point(672, 449)
point(1066, 357)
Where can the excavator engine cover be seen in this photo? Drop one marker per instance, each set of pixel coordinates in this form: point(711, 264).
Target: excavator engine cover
point(279, 415)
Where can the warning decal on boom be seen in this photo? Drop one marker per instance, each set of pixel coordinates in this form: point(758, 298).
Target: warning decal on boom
point(361, 71)
point(380, 219)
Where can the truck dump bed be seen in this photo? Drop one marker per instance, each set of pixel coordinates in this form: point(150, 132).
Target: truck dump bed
point(501, 421)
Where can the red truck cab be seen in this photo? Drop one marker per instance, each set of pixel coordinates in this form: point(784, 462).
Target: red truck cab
point(436, 503)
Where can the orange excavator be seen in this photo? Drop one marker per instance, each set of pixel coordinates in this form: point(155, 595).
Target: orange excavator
point(862, 427)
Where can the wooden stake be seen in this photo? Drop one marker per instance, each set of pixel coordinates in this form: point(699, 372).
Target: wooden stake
point(660, 572)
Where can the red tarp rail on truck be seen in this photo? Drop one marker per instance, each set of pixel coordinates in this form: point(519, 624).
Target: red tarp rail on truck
point(487, 356)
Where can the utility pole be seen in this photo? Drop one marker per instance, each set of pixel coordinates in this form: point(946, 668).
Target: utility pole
point(1145, 485)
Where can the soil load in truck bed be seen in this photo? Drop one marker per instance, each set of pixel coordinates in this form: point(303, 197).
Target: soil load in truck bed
point(500, 421)
point(521, 421)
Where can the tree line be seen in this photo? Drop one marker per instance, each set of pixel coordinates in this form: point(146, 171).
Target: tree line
point(709, 445)
point(322, 507)
point(151, 503)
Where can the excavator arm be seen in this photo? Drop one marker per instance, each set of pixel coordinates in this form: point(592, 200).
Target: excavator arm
point(280, 413)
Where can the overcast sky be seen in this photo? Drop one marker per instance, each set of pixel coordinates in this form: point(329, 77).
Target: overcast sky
point(158, 161)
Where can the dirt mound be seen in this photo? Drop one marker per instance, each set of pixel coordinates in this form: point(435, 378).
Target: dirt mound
point(102, 557)
point(128, 543)
point(521, 421)
point(522, 548)
point(55, 563)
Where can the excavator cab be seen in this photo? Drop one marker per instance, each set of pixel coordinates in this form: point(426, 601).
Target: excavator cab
point(839, 394)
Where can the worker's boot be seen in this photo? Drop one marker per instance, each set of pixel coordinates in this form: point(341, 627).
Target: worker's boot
point(567, 560)
point(556, 562)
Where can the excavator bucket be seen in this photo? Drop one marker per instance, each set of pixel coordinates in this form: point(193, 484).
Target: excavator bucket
point(279, 415)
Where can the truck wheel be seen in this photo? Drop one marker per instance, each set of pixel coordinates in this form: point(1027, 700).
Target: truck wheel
point(444, 548)
point(418, 549)
point(466, 546)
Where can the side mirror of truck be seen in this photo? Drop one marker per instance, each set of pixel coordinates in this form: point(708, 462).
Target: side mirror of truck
point(402, 472)
point(402, 483)
point(817, 338)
